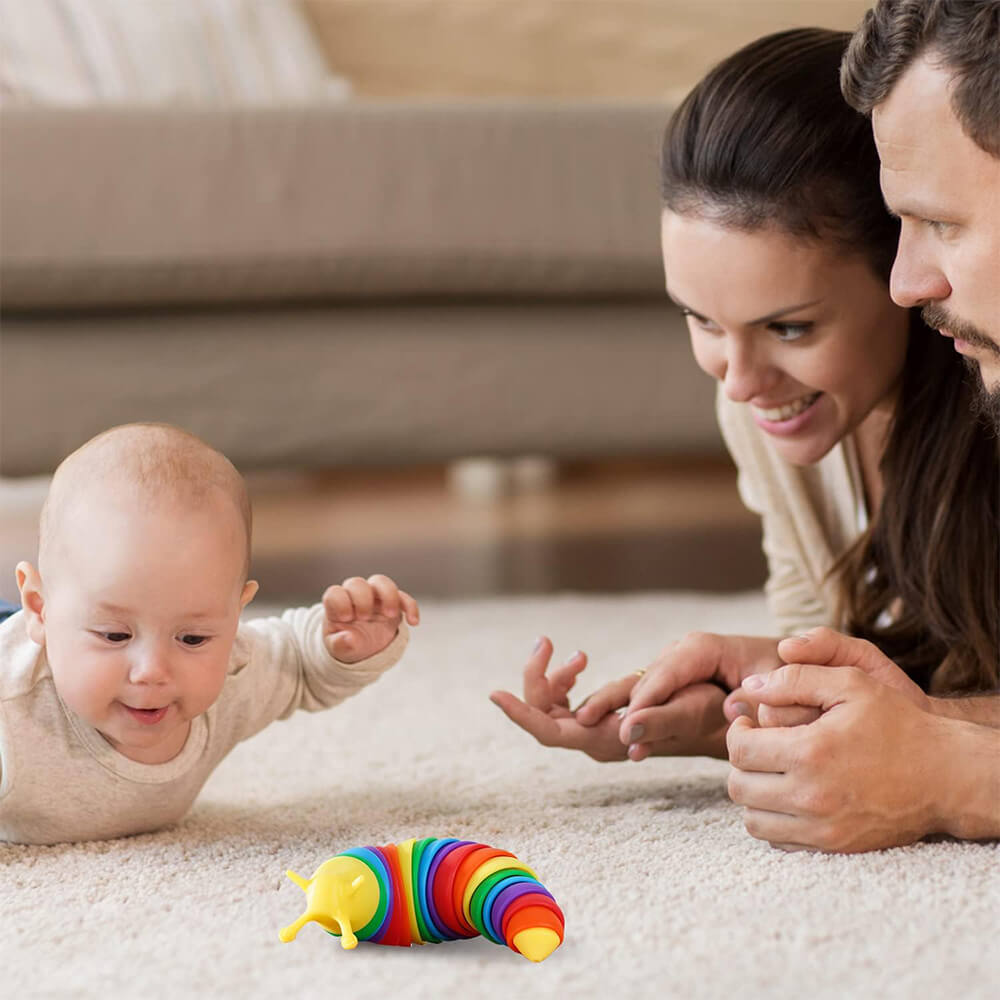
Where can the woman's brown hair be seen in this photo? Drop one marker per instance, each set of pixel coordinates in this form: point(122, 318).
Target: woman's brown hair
point(767, 140)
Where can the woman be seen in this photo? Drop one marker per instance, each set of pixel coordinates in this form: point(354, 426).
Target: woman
point(850, 423)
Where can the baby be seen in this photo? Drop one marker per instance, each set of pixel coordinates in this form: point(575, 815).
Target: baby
point(127, 676)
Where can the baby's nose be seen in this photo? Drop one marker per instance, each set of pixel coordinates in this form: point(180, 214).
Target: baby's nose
point(151, 665)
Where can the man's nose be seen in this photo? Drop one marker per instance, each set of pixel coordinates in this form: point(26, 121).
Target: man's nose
point(917, 278)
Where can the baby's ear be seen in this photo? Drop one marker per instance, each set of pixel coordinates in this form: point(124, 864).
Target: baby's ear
point(29, 583)
point(249, 592)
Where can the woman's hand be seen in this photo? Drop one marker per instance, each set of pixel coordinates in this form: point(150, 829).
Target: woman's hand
point(698, 660)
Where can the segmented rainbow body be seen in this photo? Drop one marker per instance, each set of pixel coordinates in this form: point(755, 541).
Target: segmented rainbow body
point(431, 890)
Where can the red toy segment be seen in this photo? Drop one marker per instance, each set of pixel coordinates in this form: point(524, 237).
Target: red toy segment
point(531, 901)
point(398, 931)
point(466, 870)
point(444, 890)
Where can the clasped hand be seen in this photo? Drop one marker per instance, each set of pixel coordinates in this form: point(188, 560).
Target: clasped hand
point(675, 708)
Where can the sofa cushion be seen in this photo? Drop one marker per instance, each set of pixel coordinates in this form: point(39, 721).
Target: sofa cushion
point(126, 206)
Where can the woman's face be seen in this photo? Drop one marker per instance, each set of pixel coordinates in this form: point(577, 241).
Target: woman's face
point(806, 337)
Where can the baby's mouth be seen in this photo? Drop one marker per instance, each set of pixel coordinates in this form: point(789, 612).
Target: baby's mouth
point(147, 716)
point(779, 414)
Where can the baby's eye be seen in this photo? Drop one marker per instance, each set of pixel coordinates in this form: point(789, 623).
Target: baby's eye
point(194, 640)
point(790, 331)
point(115, 636)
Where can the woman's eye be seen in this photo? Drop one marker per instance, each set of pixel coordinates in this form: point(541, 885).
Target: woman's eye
point(700, 321)
point(790, 331)
point(194, 640)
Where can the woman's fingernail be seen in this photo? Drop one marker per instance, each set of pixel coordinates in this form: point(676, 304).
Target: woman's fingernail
point(636, 733)
point(740, 708)
point(754, 682)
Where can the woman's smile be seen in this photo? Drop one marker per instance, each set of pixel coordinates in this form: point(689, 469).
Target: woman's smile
point(789, 418)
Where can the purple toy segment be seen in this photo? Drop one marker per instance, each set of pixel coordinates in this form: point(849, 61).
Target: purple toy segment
point(508, 895)
point(425, 895)
point(380, 858)
point(449, 932)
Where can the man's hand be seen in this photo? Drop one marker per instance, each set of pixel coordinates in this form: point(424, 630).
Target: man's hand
point(868, 773)
point(691, 723)
point(825, 647)
point(363, 616)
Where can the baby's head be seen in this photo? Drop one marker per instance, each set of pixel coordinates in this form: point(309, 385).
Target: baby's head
point(144, 551)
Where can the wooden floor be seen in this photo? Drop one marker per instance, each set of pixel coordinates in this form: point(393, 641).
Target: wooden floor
point(599, 527)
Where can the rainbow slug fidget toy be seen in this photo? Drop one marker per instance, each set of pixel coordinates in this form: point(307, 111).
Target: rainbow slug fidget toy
point(431, 890)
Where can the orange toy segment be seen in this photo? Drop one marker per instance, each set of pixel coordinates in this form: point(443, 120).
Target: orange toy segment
point(398, 931)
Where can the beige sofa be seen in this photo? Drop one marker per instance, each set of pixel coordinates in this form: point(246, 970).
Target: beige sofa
point(367, 282)
point(409, 276)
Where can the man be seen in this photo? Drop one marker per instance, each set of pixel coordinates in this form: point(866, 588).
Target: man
point(884, 764)
point(928, 74)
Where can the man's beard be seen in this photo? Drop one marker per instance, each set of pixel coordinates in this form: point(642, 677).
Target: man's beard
point(986, 403)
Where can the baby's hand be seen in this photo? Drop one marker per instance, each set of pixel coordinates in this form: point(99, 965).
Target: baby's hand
point(545, 711)
point(362, 616)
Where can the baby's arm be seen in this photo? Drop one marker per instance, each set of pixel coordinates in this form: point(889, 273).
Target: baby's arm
point(312, 658)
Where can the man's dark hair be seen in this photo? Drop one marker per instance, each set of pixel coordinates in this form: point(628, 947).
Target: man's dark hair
point(963, 36)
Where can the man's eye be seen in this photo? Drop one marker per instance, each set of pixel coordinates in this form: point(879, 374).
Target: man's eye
point(790, 331)
point(194, 640)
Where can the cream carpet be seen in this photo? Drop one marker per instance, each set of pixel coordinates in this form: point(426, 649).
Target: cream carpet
point(664, 893)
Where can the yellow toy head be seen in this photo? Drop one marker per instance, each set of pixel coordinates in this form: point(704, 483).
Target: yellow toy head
point(342, 895)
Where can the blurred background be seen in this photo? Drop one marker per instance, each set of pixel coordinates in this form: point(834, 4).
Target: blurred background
point(398, 259)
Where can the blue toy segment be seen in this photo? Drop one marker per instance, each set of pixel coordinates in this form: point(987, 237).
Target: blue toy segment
point(425, 895)
point(448, 932)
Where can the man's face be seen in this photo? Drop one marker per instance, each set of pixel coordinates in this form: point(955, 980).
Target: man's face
point(946, 191)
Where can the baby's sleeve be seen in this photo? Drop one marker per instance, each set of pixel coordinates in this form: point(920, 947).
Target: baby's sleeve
point(282, 664)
